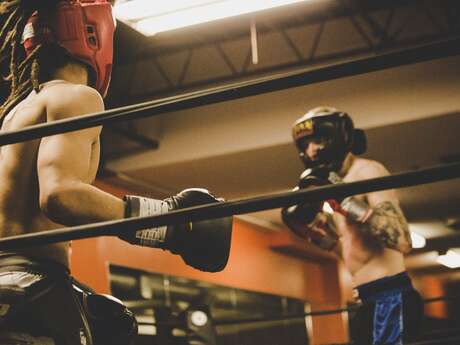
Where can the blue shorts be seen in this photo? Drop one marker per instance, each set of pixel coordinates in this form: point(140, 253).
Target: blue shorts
point(391, 312)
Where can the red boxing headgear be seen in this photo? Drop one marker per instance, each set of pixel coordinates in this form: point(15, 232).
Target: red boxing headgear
point(84, 28)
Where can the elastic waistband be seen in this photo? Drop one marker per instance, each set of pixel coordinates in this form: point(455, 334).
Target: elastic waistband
point(12, 261)
point(385, 285)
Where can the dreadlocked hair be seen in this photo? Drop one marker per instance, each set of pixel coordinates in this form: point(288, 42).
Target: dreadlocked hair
point(24, 73)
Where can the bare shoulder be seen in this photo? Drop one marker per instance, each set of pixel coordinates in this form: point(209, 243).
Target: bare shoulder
point(65, 100)
point(363, 168)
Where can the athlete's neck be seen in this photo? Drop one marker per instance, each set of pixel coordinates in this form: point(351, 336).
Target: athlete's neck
point(73, 73)
point(347, 163)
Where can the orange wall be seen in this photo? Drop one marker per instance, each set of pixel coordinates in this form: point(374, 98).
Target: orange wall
point(252, 265)
point(431, 286)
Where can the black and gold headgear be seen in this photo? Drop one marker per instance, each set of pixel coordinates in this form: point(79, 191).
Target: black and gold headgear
point(335, 130)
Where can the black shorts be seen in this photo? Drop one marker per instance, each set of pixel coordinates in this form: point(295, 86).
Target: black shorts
point(391, 312)
point(37, 301)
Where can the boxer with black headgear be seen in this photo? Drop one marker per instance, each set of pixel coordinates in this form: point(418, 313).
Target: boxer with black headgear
point(324, 136)
point(58, 58)
point(368, 232)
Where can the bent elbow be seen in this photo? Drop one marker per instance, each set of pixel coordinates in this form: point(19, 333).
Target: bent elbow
point(52, 203)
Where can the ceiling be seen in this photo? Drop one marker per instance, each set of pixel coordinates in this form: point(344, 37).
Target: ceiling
point(310, 33)
point(242, 148)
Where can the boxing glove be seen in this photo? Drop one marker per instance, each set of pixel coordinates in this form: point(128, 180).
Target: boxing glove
point(204, 245)
point(352, 208)
point(110, 322)
point(297, 217)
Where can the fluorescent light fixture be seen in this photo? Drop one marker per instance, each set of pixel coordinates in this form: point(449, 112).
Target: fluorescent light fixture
point(135, 10)
point(451, 259)
point(151, 17)
point(418, 241)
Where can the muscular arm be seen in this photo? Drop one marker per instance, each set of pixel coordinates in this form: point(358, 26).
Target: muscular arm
point(386, 223)
point(66, 163)
point(389, 226)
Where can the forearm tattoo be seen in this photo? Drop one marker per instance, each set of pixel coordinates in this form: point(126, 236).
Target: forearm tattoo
point(389, 227)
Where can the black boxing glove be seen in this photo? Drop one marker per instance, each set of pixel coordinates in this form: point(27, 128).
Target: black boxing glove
point(110, 322)
point(307, 220)
point(298, 217)
point(317, 177)
point(204, 245)
point(322, 231)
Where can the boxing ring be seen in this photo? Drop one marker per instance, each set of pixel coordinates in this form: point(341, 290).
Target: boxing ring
point(242, 206)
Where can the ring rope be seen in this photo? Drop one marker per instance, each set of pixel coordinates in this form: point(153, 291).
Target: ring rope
point(230, 208)
point(318, 313)
point(133, 305)
point(237, 90)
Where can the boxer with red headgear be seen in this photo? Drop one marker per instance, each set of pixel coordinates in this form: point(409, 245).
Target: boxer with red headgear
point(368, 232)
point(57, 55)
point(84, 29)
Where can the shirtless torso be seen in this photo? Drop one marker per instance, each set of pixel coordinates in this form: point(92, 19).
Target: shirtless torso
point(368, 232)
point(25, 169)
point(365, 257)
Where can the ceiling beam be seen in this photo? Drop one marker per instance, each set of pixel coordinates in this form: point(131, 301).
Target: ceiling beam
point(307, 76)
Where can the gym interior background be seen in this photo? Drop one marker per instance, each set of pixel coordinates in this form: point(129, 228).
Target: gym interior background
point(242, 148)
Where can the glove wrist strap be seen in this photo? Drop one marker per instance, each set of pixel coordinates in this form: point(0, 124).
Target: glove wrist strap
point(356, 210)
point(137, 206)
